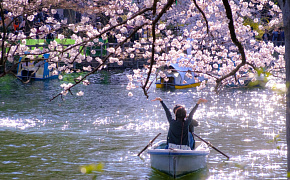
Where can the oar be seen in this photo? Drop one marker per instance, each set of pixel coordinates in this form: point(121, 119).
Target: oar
point(210, 145)
point(149, 144)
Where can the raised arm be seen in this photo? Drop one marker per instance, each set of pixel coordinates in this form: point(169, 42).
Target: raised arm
point(195, 107)
point(168, 114)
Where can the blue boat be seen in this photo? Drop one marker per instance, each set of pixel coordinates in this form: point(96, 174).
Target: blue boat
point(35, 70)
point(176, 78)
point(179, 76)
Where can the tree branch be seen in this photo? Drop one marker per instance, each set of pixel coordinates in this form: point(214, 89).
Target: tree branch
point(164, 9)
point(203, 15)
point(104, 61)
point(235, 41)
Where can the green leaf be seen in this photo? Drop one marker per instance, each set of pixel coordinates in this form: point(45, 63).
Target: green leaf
point(87, 169)
point(259, 71)
point(268, 74)
point(288, 174)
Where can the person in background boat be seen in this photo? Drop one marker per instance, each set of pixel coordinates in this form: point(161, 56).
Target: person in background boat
point(266, 36)
point(179, 127)
point(16, 25)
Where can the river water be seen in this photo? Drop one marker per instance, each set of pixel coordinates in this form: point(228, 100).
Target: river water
point(51, 140)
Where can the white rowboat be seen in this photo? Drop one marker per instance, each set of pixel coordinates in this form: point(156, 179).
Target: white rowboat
point(178, 162)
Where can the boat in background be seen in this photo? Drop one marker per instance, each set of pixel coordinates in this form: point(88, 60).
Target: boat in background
point(35, 70)
point(251, 80)
point(178, 162)
point(179, 78)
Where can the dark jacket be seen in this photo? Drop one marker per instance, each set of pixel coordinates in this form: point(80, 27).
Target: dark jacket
point(178, 128)
point(194, 123)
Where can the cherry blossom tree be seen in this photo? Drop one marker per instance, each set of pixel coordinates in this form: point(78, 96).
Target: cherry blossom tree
point(215, 30)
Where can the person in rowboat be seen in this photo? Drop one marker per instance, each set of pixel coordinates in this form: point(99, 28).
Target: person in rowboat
point(179, 127)
point(191, 140)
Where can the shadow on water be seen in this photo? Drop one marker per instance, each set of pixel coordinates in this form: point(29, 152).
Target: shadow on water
point(198, 175)
point(101, 77)
point(168, 89)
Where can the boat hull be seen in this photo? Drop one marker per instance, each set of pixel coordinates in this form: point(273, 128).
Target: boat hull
point(177, 162)
point(178, 86)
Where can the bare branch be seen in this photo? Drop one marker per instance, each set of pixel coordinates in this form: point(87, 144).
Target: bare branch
point(203, 15)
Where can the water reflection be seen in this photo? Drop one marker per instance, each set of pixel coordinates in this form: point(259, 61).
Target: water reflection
point(201, 174)
point(17, 123)
point(51, 140)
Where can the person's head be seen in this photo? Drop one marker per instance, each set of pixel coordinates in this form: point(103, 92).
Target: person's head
point(179, 112)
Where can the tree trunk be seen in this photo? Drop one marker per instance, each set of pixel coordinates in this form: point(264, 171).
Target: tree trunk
point(286, 22)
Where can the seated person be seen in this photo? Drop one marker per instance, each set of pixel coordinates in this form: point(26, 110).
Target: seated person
point(191, 140)
point(179, 127)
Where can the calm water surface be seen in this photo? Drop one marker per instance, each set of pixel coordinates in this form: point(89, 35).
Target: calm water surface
point(51, 140)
